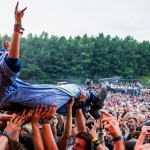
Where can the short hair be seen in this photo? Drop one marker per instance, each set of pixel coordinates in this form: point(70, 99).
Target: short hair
point(134, 118)
point(99, 98)
point(129, 145)
point(98, 103)
point(85, 136)
point(89, 124)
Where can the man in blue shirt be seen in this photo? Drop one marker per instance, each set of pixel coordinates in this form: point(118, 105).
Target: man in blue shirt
point(16, 92)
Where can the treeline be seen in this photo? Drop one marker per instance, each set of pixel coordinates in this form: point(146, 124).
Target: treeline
point(51, 58)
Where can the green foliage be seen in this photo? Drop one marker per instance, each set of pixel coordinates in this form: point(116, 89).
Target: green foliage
point(48, 58)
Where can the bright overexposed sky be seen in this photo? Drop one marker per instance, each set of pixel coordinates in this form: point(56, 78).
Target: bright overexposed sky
point(78, 17)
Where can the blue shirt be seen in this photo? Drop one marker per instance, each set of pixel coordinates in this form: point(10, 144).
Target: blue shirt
point(14, 90)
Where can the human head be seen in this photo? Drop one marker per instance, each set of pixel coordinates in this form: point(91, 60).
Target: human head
point(144, 111)
point(147, 136)
point(98, 102)
point(99, 98)
point(141, 120)
point(15, 145)
point(27, 141)
point(129, 145)
point(132, 123)
point(82, 141)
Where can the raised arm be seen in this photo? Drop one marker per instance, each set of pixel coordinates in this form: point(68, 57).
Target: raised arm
point(15, 122)
point(37, 138)
point(14, 47)
point(62, 143)
point(79, 118)
point(112, 125)
point(48, 138)
point(139, 144)
point(25, 118)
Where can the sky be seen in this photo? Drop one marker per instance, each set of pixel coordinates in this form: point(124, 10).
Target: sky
point(78, 17)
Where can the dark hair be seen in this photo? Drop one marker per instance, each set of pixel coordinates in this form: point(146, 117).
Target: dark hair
point(73, 120)
point(134, 118)
point(94, 113)
point(27, 141)
point(15, 145)
point(129, 145)
point(89, 124)
point(147, 123)
point(85, 136)
point(98, 103)
point(99, 98)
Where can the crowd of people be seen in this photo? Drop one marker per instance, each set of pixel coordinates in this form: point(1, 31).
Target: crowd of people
point(89, 119)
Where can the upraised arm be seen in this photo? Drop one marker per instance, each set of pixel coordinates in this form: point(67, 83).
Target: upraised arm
point(68, 126)
point(48, 138)
point(139, 144)
point(112, 125)
point(37, 138)
point(14, 47)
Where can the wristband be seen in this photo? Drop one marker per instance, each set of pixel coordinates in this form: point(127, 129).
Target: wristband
point(46, 122)
point(7, 134)
point(18, 27)
point(117, 138)
point(94, 139)
point(17, 30)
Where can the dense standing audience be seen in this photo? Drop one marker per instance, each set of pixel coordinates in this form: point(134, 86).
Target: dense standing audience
point(122, 124)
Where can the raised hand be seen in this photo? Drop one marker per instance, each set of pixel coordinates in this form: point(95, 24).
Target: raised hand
point(5, 117)
point(6, 43)
point(15, 122)
point(37, 114)
point(19, 14)
point(139, 144)
point(26, 118)
point(49, 113)
point(70, 103)
point(81, 98)
point(111, 124)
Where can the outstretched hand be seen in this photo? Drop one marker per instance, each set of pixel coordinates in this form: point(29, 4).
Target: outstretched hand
point(70, 103)
point(17, 120)
point(139, 144)
point(5, 117)
point(14, 123)
point(49, 113)
point(37, 114)
point(81, 98)
point(111, 124)
point(19, 14)
point(6, 43)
